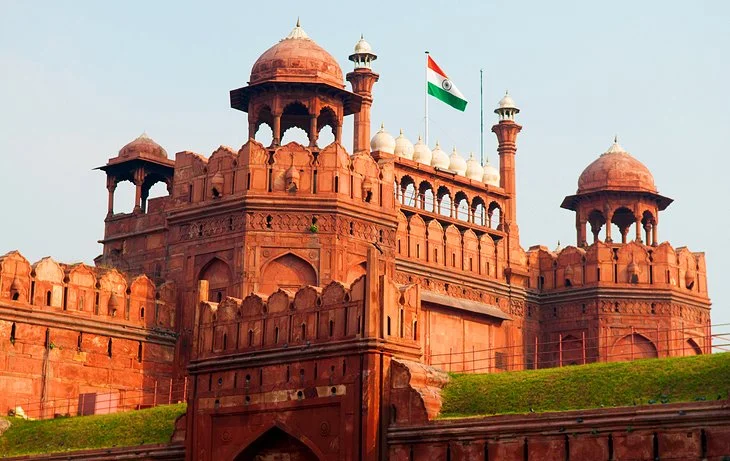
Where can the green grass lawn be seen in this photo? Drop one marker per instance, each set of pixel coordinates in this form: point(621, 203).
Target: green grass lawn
point(132, 428)
point(642, 382)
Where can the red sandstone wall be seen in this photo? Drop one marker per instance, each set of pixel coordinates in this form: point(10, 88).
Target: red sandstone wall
point(70, 330)
point(680, 431)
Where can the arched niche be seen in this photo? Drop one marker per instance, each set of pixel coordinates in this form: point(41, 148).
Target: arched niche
point(632, 347)
point(276, 444)
point(288, 271)
point(218, 275)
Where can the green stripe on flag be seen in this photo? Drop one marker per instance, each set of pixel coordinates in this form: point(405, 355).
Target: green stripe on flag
point(445, 96)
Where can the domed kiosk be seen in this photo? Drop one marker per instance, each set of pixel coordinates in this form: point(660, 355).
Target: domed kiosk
point(617, 189)
point(296, 83)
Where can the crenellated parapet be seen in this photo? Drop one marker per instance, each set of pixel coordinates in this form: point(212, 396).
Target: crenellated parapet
point(87, 292)
point(619, 265)
point(287, 171)
point(307, 316)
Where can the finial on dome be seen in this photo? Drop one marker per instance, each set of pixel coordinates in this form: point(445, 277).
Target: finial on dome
point(297, 33)
point(615, 147)
point(362, 36)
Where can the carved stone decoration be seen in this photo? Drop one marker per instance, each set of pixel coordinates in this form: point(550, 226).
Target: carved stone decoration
point(324, 429)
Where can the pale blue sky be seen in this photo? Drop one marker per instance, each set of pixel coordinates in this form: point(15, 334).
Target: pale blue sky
point(80, 79)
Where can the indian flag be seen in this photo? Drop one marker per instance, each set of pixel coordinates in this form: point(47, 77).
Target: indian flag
point(440, 87)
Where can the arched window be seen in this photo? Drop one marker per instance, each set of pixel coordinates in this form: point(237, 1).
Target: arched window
point(48, 298)
point(332, 328)
point(109, 348)
point(250, 338)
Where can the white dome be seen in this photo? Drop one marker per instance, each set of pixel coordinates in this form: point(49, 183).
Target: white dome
point(439, 159)
point(362, 46)
point(403, 147)
point(491, 175)
point(421, 152)
point(473, 169)
point(382, 141)
point(507, 102)
point(457, 163)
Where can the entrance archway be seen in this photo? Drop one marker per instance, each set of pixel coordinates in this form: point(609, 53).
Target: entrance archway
point(277, 445)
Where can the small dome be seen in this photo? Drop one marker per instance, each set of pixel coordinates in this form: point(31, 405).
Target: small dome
point(143, 146)
point(457, 163)
point(507, 102)
point(297, 58)
point(616, 169)
point(491, 175)
point(473, 169)
point(382, 141)
point(363, 46)
point(421, 152)
point(439, 158)
point(403, 147)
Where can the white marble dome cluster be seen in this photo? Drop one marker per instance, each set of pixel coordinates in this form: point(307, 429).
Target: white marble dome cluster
point(438, 158)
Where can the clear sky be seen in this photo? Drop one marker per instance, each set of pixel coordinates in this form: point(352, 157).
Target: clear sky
point(78, 80)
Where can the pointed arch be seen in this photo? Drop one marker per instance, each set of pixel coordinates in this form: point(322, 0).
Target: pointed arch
point(218, 275)
point(287, 271)
point(692, 348)
point(632, 347)
point(280, 443)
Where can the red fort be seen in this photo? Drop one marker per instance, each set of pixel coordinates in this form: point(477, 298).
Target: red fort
point(309, 296)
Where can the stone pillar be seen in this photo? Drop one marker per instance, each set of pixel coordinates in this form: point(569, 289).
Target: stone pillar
point(138, 181)
point(111, 186)
point(313, 131)
point(251, 130)
point(338, 133)
point(638, 230)
point(609, 218)
point(276, 130)
point(654, 240)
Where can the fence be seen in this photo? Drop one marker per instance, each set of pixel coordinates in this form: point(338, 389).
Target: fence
point(582, 349)
point(106, 401)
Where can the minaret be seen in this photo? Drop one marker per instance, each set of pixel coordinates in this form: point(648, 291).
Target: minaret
point(362, 80)
point(506, 131)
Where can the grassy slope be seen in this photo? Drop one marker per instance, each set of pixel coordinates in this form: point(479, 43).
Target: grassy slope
point(671, 380)
point(133, 428)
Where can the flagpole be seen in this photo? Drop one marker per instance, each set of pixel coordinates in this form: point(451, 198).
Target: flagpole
point(481, 115)
point(425, 99)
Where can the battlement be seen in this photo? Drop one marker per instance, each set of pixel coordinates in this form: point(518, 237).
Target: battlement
point(87, 292)
point(623, 265)
point(307, 316)
point(286, 170)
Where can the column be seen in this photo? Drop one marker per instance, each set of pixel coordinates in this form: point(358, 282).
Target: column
point(313, 131)
point(338, 134)
point(111, 186)
point(654, 241)
point(138, 181)
point(638, 230)
point(276, 129)
point(251, 130)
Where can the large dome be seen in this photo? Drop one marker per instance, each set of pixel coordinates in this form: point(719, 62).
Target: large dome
point(143, 146)
point(616, 170)
point(297, 58)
